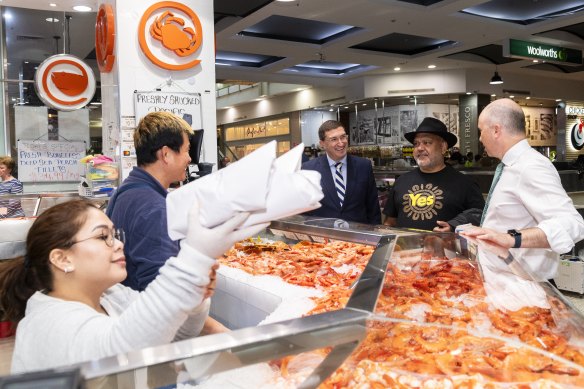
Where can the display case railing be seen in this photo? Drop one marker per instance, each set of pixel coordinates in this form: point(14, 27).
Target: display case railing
point(34, 204)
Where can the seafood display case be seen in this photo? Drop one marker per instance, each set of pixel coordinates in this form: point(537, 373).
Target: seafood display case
point(418, 313)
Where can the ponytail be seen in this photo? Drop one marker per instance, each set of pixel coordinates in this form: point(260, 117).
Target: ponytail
point(17, 285)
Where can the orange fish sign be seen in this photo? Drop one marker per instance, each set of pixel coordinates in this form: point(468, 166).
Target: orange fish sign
point(64, 82)
point(170, 34)
point(105, 33)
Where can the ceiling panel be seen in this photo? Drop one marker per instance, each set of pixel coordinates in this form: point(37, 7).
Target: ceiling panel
point(525, 11)
point(297, 30)
point(230, 58)
point(489, 54)
point(403, 44)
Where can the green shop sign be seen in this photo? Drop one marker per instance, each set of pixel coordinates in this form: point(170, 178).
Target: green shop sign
point(532, 50)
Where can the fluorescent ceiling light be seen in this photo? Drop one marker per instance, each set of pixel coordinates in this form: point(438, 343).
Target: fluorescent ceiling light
point(82, 8)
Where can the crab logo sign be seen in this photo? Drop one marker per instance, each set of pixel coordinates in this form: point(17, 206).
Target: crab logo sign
point(170, 34)
point(577, 134)
point(64, 82)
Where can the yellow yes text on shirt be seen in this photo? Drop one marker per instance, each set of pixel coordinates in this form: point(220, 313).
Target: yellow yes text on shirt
point(417, 200)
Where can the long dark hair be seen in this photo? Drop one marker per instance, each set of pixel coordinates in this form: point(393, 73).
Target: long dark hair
point(21, 277)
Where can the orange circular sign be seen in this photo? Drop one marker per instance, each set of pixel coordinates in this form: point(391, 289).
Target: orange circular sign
point(105, 32)
point(169, 33)
point(64, 82)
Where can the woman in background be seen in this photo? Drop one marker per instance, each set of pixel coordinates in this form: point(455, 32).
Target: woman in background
point(66, 296)
point(9, 185)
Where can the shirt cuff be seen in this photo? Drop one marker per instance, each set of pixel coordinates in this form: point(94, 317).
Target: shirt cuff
point(558, 238)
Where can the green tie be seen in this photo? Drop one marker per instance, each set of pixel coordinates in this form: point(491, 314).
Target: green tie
point(496, 177)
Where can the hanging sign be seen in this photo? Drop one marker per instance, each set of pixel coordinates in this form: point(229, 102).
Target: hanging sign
point(105, 33)
point(170, 35)
point(534, 50)
point(64, 82)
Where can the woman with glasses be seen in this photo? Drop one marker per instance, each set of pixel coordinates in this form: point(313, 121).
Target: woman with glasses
point(65, 293)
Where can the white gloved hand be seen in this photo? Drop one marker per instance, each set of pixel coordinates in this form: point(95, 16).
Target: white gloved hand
point(215, 241)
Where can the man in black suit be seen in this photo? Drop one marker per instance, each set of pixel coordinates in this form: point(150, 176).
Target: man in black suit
point(347, 181)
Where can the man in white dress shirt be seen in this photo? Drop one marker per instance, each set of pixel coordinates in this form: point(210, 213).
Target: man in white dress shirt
point(528, 213)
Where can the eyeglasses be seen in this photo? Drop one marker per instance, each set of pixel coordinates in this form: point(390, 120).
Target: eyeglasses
point(341, 138)
point(114, 233)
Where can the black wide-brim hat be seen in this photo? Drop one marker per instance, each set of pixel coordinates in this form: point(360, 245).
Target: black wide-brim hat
point(433, 126)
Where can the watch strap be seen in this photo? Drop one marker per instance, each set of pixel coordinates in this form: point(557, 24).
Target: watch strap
point(517, 235)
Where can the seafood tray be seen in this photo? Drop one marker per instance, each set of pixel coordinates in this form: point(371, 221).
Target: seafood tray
point(279, 274)
point(418, 316)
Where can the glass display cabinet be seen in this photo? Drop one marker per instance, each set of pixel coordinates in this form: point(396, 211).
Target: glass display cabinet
point(408, 309)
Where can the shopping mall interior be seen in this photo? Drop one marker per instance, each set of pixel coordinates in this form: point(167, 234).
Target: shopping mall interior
point(283, 67)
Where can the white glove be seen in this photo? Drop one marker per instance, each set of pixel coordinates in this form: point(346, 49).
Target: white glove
point(215, 241)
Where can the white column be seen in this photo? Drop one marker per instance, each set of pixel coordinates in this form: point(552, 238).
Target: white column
point(133, 71)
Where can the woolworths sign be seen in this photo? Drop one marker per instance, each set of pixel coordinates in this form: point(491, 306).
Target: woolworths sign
point(532, 50)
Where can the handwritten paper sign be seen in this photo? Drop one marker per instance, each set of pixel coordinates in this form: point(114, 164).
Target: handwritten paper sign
point(46, 161)
point(182, 104)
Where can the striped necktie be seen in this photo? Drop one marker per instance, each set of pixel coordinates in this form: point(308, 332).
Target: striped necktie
point(339, 182)
point(496, 177)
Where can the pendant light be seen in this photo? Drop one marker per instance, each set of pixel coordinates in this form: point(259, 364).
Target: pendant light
point(496, 79)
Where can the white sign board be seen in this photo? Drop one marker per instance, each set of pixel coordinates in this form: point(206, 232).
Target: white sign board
point(49, 161)
point(182, 104)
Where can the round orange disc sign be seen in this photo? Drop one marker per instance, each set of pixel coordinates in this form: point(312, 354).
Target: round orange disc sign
point(64, 82)
point(170, 34)
point(105, 33)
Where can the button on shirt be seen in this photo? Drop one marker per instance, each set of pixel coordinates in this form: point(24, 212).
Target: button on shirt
point(530, 194)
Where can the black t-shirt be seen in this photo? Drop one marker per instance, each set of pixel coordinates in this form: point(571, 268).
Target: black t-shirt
point(419, 199)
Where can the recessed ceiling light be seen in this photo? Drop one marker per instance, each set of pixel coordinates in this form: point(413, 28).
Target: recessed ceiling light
point(527, 98)
point(558, 99)
point(493, 95)
point(397, 68)
point(431, 66)
point(82, 8)
point(469, 93)
point(52, 5)
point(511, 97)
point(364, 104)
point(331, 110)
point(52, 20)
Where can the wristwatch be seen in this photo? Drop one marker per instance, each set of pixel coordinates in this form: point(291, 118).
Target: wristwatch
point(517, 235)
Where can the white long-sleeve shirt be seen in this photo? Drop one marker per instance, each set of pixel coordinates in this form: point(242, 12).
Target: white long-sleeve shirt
point(530, 194)
point(56, 332)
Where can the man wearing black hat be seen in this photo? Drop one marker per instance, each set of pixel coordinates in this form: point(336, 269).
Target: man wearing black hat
point(435, 196)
